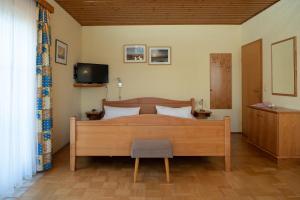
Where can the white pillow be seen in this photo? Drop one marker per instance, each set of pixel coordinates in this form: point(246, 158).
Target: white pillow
point(183, 112)
point(113, 112)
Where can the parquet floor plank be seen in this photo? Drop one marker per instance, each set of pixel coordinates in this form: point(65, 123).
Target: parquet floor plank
point(254, 177)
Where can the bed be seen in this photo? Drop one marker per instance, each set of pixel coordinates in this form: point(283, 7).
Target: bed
point(113, 137)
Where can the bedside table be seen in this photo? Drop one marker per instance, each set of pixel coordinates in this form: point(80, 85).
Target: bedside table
point(93, 115)
point(202, 114)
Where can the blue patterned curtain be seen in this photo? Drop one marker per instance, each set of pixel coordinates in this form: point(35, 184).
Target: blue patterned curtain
point(44, 85)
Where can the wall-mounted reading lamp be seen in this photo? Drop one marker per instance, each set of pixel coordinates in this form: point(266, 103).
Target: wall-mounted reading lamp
point(119, 85)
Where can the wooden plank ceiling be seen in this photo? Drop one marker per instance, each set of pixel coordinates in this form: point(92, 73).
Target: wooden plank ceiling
point(159, 12)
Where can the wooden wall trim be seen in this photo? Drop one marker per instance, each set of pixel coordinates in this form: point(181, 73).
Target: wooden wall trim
point(46, 5)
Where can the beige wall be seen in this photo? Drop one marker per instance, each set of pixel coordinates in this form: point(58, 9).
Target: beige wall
point(66, 99)
point(187, 77)
point(279, 22)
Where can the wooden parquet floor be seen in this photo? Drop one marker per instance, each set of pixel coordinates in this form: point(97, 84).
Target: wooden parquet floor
point(253, 176)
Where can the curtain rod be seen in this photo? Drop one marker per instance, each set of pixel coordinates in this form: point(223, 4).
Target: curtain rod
point(46, 5)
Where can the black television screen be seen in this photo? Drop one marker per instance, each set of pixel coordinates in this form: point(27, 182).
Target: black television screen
point(91, 73)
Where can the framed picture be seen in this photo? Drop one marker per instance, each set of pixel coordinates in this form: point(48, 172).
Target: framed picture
point(135, 53)
point(61, 52)
point(159, 55)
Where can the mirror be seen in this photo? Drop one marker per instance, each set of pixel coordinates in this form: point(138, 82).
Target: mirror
point(284, 65)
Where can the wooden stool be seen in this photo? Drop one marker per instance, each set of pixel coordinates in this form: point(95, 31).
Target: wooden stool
point(150, 148)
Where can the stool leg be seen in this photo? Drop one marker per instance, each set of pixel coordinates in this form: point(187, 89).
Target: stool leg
point(136, 168)
point(167, 169)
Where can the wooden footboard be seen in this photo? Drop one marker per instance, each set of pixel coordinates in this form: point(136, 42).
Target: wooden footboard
point(113, 137)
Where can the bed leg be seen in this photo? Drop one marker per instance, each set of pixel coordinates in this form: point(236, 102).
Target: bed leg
point(167, 169)
point(227, 164)
point(72, 163)
point(227, 144)
point(72, 144)
point(136, 169)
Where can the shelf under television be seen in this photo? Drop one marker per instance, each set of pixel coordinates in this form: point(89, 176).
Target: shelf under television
point(89, 84)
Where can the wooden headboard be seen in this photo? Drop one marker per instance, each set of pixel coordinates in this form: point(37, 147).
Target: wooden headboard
point(147, 104)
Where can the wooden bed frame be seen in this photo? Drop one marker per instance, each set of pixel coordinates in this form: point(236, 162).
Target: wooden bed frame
point(113, 137)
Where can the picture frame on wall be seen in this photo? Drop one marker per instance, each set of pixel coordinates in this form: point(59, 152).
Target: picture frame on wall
point(61, 52)
point(159, 55)
point(135, 53)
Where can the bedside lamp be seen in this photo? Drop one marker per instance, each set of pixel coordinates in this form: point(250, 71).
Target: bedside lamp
point(201, 103)
point(119, 85)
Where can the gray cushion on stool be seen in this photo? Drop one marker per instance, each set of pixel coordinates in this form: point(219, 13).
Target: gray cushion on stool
point(151, 148)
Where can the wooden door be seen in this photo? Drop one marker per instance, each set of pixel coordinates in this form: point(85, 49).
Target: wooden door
point(220, 81)
point(251, 78)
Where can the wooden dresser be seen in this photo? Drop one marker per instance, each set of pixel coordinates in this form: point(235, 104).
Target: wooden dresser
point(274, 130)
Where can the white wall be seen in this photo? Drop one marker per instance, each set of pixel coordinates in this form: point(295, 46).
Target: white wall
point(66, 98)
point(188, 76)
point(279, 22)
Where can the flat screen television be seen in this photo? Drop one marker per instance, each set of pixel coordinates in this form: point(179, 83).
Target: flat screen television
point(90, 73)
